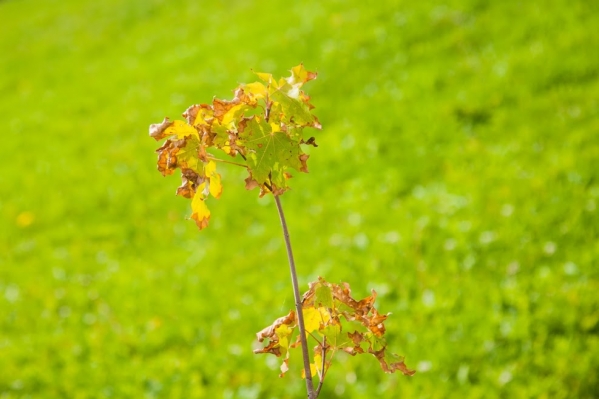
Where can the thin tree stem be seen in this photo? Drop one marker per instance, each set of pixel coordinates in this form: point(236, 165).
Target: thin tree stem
point(298, 303)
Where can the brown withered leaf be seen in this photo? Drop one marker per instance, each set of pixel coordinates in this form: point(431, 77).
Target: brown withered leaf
point(250, 183)
point(190, 182)
point(303, 158)
point(376, 323)
point(167, 156)
point(391, 362)
point(356, 337)
point(311, 141)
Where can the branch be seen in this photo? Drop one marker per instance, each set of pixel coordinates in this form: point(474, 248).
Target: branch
point(322, 373)
point(298, 303)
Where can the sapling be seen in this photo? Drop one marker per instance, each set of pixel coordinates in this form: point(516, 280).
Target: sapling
point(262, 129)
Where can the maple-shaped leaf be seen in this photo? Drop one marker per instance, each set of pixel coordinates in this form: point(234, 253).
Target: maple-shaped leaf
point(269, 152)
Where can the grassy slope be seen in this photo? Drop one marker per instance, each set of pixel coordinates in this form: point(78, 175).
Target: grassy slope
point(456, 174)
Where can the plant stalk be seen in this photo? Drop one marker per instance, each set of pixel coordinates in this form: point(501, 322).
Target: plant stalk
point(298, 303)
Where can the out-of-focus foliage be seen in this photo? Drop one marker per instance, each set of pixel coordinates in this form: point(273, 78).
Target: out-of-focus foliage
point(456, 175)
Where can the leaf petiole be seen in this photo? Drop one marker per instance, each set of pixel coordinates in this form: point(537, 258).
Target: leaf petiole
point(322, 373)
point(229, 162)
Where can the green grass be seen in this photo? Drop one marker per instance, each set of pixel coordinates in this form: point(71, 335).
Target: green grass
point(456, 174)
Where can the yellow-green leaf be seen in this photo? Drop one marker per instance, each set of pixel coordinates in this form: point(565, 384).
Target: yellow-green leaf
point(299, 75)
point(200, 212)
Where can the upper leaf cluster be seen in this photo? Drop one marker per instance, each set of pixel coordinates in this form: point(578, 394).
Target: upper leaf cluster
point(263, 124)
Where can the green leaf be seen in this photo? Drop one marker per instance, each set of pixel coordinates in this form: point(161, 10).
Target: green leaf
point(292, 110)
point(323, 295)
point(332, 332)
point(270, 152)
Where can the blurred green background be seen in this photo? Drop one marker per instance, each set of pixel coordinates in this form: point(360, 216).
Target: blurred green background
point(457, 175)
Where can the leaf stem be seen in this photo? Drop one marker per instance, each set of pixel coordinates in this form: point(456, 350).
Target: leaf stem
point(230, 162)
point(298, 303)
point(322, 373)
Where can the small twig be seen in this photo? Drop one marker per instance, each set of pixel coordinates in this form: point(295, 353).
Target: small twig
point(267, 109)
point(322, 373)
point(316, 339)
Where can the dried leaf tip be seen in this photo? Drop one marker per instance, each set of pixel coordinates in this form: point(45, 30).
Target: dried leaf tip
point(157, 129)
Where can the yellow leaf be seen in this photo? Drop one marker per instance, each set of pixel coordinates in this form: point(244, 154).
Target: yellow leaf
point(257, 89)
point(209, 168)
point(325, 316)
point(267, 77)
point(276, 127)
point(283, 330)
point(216, 187)
point(200, 212)
point(230, 115)
point(299, 75)
point(312, 319)
point(313, 371)
point(181, 129)
point(317, 363)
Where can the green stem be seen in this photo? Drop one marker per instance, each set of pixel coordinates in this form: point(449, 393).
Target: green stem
point(298, 303)
point(222, 160)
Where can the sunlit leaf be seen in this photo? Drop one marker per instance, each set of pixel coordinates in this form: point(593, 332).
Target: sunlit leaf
point(269, 153)
point(312, 319)
point(299, 74)
point(200, 213)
